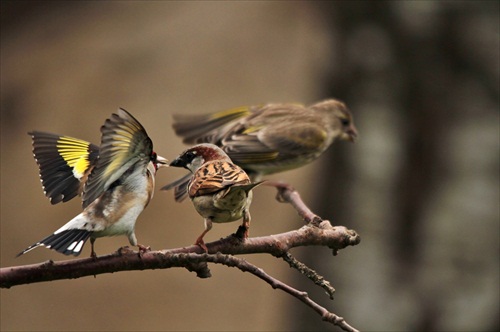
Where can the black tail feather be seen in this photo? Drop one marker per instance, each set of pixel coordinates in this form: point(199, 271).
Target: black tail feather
point(58, 241)
point(68, 242)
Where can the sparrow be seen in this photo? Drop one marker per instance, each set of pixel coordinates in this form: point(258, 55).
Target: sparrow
point(219, 189)
point(115, 180)
point(268, 138)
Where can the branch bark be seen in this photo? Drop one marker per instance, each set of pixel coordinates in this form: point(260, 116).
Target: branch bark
point(125, 259)
point(316, 232)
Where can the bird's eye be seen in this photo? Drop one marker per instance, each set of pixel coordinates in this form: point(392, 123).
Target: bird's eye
point(189, 156)
point(345, 122)
point(154, 157)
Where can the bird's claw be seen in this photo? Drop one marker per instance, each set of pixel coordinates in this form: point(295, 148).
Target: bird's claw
point(124, 250)
point(143, 249)
point(202, 245)
point(242, 232)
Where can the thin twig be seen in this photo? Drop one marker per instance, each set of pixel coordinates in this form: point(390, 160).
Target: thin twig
point(245, 266)
point(288, 194)
point(316, 232)
point(309, 273)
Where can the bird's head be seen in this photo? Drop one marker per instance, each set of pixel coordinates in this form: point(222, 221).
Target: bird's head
point(158, 161)
point(197, 155)
point(340, 117)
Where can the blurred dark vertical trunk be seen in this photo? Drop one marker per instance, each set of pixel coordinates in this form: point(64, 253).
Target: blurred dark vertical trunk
point(428, 67)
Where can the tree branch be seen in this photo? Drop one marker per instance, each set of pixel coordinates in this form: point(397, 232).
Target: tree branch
point(125, 259)
point(245, 266)
point(288, 194)
point(310, 274)
point(316, 232)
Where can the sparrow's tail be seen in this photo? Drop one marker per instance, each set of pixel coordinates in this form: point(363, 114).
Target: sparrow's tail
point(180, 187)
point(248, 187)
point(68, 242)
point(245, 187)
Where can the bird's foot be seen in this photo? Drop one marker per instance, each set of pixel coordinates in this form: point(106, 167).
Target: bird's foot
point(242, 232)
point(93, 255)
point(199, 242)
point(124, 250)
point(143, 249)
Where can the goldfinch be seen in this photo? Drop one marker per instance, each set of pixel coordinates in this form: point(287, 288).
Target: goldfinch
point(220, 190)
point(116, 181)
point(269, 138)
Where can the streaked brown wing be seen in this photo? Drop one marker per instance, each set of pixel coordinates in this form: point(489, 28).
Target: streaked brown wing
point(215, 176)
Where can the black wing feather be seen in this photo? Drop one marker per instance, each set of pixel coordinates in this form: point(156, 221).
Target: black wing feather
point(58, 180)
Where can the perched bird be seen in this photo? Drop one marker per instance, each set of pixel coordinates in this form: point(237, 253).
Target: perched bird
point(116, 181)
point(269, 138)
point(220, 190)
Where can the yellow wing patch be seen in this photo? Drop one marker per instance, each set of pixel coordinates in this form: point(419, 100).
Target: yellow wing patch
point(252, 129)
point(114, 165)
point(120, 147)
point(238, 111)
point(75, 153)
point(80, 167)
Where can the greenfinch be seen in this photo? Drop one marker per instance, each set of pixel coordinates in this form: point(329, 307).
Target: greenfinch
point(269, 138)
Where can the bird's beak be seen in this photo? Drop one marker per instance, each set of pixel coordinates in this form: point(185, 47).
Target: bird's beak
point(177, 162)
point(161, 162)
point(352, 134)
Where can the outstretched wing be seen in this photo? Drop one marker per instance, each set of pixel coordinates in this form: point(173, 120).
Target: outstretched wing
point(274, 142)
point(64, 163)
point(275, 134)
point(207, 127)
point(124, 143)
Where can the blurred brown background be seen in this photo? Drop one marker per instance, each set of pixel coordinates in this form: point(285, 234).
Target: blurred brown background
point(421, 186)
